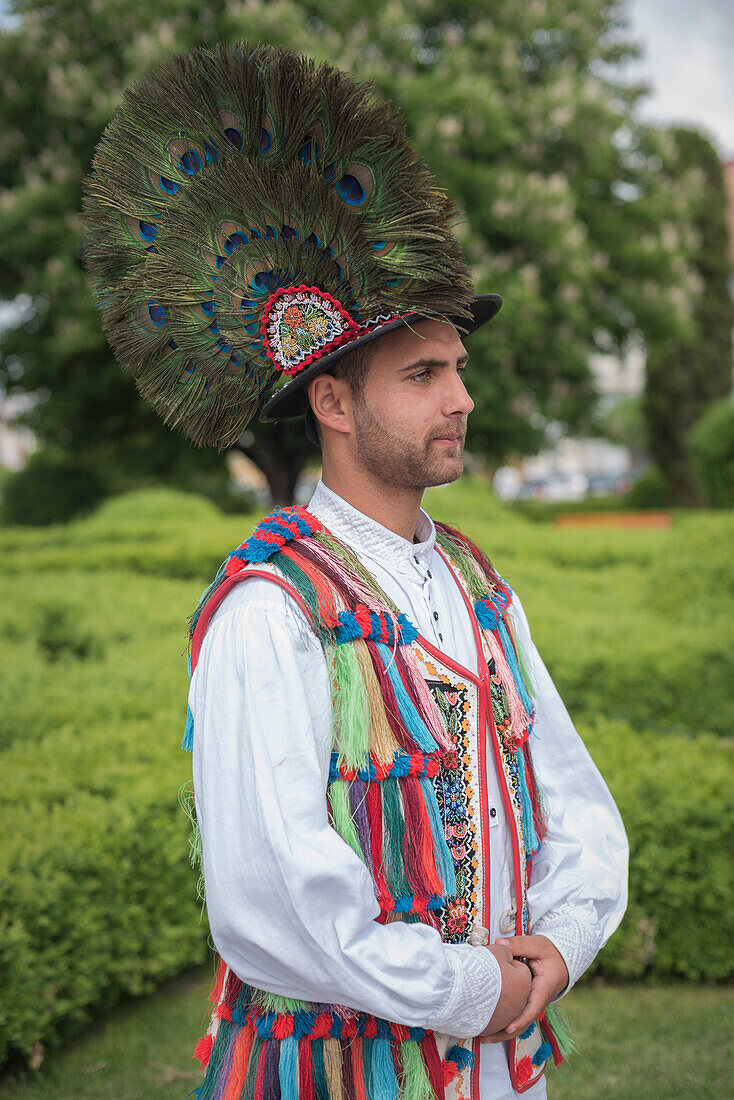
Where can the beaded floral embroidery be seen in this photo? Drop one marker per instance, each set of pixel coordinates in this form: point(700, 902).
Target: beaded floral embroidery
point(300, 324)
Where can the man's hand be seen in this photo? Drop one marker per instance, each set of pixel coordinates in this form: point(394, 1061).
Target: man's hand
point(516, 982)
point(550, 978)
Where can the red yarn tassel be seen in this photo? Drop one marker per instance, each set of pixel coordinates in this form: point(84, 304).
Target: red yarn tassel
point(305, 1070)
point(240, 1062)
point(216, 990)
point(434, 1065)
point(373, 803)
point(358, 1080)
point(417, 846)
point(324, 591)
point(203, 1049)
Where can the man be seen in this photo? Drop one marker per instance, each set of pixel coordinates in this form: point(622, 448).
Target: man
point(298, 918)
point(408, 854)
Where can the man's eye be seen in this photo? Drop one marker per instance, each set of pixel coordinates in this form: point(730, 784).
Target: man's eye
point(422, 376)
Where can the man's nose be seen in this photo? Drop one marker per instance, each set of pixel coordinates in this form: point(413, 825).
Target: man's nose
point(457, 399)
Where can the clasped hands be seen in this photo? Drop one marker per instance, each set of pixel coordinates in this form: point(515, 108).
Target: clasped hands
point(528, 986)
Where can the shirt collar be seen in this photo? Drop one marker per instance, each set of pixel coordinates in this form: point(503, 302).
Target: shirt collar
point(369, 538)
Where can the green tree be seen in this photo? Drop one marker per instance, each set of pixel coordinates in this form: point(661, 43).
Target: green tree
point(685, 375)
point(518, 109)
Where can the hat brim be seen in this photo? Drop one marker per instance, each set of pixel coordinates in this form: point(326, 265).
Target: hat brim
point(292, 400)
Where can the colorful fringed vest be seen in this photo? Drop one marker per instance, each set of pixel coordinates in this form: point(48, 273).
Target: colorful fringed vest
point(408, 762)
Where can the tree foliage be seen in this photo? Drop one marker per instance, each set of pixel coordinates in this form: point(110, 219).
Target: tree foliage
point(685, 375)
point(520, 111)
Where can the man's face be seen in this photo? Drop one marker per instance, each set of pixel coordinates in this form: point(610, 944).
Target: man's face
point(410, 421)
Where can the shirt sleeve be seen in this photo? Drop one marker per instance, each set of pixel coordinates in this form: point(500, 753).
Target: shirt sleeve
point(578, 885)
point(291, 907)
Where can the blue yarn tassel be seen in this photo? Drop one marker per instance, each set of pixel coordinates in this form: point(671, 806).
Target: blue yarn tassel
point(288, 1069)
point(532, 843)
point(414, 724)
point(511, 659)
point(188, 738)
point(542, 1054)
point(383, 1079)
point(444, 859)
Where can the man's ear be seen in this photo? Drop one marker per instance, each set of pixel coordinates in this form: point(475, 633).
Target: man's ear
point(331, 401)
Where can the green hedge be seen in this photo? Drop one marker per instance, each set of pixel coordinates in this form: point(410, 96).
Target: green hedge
point(97, 898)
point(676, 797)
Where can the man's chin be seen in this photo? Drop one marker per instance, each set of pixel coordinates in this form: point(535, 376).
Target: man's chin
point(446, 474)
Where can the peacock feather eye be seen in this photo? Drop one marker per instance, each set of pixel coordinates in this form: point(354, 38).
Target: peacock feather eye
point(157, 313)
point(234, 137)
point(190, 162)
point(234, 241)
point(208, 309)
point(309, 150)
point(169, 187)
point(266, 141)
point(351, 190)
point(265, 282)
point(147, 231)
point(211, 152)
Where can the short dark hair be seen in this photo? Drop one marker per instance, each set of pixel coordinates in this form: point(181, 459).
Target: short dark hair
point(353, 367)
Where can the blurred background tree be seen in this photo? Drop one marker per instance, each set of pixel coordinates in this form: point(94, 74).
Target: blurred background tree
point(521, 111)
point(684, 376)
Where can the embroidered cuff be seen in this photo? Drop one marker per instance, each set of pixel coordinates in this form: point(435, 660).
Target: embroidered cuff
point(577, 941)
point(475, 993)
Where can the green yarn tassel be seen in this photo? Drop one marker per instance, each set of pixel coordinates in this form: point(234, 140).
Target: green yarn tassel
point(282, 1006)
point(341, 817)
point(475, 580)
point(248, 1092)
point(320, 1086)
point(393, 863)
point(209, 1084)
point(561, 1028)
point(350, 722)
point(416, 1084)
point(303, 586)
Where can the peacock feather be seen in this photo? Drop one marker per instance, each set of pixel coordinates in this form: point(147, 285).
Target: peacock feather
point(231, 172)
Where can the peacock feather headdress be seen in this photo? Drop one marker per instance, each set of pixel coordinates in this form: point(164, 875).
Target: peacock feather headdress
point(251, 215)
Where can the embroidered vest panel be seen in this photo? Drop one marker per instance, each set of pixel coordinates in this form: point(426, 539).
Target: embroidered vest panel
point(408, 766)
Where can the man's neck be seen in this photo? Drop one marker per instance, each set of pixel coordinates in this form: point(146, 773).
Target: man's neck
point(396, 509)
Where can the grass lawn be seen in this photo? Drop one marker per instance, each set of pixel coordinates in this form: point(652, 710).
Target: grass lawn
point(635, 1043)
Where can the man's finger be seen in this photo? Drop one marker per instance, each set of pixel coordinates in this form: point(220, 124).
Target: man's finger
point(525, 946)
point(537, 1001)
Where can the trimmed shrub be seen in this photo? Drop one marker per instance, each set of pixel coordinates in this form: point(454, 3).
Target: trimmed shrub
point(46, 492)
point(98, 896)
point(650, 491)
point(676, 797)
point(711, 442)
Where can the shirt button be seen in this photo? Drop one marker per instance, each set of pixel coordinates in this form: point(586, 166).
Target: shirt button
point(493, 812)
point(479, 936)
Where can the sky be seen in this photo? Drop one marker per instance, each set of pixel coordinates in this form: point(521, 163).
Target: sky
point(689, 60)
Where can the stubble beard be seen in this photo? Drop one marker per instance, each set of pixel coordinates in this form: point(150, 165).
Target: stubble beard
point(392, 460)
